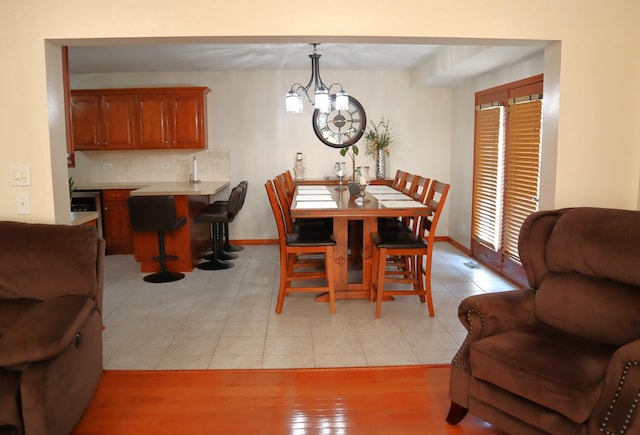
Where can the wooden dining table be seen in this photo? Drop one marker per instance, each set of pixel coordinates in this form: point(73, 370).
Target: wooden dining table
point(329, 201)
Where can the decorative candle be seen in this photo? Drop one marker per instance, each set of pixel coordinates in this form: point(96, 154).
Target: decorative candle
point(363, 180)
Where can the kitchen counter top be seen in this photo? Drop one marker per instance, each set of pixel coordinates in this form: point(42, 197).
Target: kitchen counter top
point(82, 217)
point(161, 188)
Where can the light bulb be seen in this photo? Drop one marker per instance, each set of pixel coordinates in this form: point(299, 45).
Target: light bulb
point(322, 100)
point(293, 102)
point(342, 100)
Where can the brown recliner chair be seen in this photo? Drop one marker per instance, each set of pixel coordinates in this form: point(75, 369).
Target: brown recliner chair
point(561, 357)
point(51, 279)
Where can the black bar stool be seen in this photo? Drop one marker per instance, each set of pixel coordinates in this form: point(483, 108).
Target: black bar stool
point(157, 214)
point(218, 215)
point(228, 248)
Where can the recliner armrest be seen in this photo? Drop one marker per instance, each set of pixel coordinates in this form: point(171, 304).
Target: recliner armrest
point(618, 407)
point(45, 330)
point(498, 312)
point(488, 314)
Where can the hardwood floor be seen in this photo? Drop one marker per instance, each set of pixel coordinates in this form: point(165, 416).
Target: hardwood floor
point(369, 400)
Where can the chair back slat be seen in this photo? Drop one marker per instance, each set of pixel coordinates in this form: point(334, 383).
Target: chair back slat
point(435, 199)
point(277, 211)
point(285, 203)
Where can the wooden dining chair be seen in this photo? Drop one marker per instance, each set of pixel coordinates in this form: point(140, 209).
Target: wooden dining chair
point(408, 183)
point(285, 195)
point(416, 246)
point(287, 184)
point(418, 192)
point(399, 180)
point(300, 242)
point(288, 178)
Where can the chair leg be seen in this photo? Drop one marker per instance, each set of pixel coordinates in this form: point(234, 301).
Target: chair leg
point(427, 284)
point(456, 413)
point(329, 264)
point(164, 275)
point(228, 246)
point(215, 262)
point(221, 253)
point(380, 280)
point(282, 290)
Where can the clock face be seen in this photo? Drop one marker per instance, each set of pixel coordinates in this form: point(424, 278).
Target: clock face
point(340, 128)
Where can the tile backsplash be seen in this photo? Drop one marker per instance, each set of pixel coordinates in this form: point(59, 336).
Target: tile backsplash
point(149, 165)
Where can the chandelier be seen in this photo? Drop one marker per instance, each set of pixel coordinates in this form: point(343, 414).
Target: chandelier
point(321, 92)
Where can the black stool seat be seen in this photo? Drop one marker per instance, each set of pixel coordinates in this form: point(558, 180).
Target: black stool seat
point(219, 215)
point(157, 214)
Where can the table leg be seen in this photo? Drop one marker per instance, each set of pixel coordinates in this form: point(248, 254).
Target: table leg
point(370, 226)
point(341, 269)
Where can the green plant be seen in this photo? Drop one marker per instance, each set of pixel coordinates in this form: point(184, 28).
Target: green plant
point(72, 186)
point(353, 152)
point(379, 137)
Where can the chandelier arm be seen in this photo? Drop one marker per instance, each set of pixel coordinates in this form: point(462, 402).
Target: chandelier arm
point(335, 84)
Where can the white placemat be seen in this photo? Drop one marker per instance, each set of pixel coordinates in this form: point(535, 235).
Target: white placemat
point(305, 188)
point(402, 204)
point(313, 192)
point(313, 197)
point(316, 204)
point(391, 196)
point(381, 189)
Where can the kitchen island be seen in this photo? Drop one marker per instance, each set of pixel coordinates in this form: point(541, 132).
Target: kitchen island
point(189, 243)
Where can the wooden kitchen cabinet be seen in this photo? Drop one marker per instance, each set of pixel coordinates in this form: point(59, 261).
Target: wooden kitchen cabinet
point(116, 223)
point(172, 119)
point(102, 122)
point(139, 118)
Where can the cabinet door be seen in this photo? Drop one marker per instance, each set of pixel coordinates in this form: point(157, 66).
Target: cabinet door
point(154, 112)
point(85, 122)
point(118, 122)
point(188, 120)
point(116, 222)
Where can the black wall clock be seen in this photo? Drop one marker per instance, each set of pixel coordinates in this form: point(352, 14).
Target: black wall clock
point(340, 128)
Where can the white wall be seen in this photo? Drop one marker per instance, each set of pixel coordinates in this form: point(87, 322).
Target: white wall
point(598, 152)
point(247, 121)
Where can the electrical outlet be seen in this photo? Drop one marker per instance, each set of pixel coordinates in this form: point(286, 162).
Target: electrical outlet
point(164, 165)
point(23, 203)
point(107, 166)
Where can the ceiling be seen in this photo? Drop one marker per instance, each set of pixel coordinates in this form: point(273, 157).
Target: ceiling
point(436, 65)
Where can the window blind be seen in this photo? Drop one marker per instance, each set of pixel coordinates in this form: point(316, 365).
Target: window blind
point(488, 175)
point(521, 187)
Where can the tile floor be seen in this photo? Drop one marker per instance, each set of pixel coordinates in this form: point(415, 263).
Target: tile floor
point(225, 319)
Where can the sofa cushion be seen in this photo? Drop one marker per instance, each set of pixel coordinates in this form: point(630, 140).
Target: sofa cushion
point(41, 261)
point(553, 369)
point(43, 331)
point(11, 309)
point(597, 242)
point(597, 309)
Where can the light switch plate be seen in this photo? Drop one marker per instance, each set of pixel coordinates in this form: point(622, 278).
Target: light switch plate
point(20, 175)
point(23, 203)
